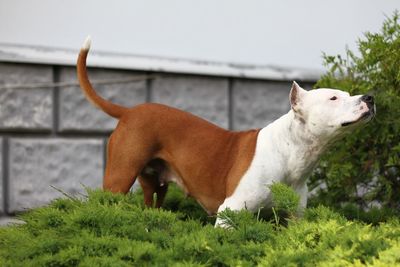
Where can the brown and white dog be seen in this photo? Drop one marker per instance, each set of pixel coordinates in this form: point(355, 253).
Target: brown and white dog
point(220, 168)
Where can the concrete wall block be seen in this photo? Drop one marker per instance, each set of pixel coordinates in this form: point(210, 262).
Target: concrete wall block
point(25, 108)
point(203, 96)
point(77, 114)
point(258, 103)
point(37, 164)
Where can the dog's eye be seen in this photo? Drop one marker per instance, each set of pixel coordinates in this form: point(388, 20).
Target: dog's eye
point(333, 98)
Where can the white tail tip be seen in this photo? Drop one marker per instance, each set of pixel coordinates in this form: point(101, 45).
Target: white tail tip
point(87, 43)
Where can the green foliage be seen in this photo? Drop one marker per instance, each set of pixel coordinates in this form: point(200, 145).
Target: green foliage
point(284, 198)
point(115, 230)
point(285, 205)
point(285, 202)
point(188, 208)
point(364, 168)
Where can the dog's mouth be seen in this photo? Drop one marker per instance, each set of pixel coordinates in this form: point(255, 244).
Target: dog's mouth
point(365, 116)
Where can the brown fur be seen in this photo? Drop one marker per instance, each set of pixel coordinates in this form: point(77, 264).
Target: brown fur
point(155, 142)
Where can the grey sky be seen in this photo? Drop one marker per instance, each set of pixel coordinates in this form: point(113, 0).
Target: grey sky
point(286, 33)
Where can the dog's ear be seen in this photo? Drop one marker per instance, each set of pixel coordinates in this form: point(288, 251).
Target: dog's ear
point(296, 95)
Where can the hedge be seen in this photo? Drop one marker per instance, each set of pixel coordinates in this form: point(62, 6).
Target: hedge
point(103, 229)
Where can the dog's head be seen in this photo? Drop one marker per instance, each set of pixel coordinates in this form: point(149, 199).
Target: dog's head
point(330, 112)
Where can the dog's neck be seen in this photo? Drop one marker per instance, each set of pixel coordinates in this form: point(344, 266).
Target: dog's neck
point(299, 148)
point(299, 135)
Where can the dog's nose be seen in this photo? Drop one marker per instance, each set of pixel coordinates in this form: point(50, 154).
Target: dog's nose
point(368, 99)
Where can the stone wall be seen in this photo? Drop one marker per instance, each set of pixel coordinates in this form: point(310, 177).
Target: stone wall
point(52, 137)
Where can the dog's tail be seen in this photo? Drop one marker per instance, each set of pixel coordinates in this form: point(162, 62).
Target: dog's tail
point(111, 109)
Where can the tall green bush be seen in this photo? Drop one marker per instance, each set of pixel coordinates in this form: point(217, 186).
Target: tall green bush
point(364, 168)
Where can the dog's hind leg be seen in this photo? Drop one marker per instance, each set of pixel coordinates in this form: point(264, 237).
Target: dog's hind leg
point(161, 191)
point(150, 187)
point(153, 182)
point(123, 165)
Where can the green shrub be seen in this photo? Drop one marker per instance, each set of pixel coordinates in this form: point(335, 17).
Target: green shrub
point(116, 230)
point(284, 198)
point(364, 168)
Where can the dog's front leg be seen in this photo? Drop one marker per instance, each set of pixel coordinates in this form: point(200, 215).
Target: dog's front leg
point(232, 204)
point(303, 193)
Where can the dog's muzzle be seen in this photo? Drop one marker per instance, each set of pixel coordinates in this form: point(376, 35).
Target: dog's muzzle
point(369, 101)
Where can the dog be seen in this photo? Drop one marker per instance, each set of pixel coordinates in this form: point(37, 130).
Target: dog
point(222, 169)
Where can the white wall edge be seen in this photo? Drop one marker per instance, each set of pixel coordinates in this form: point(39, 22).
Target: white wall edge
point(56, 56)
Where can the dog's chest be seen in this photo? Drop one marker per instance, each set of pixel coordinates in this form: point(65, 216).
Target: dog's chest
point(274, 161)
point(300, 163)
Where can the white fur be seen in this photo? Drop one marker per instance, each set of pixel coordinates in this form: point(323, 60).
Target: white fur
point(86, 45)
point(289, 148)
